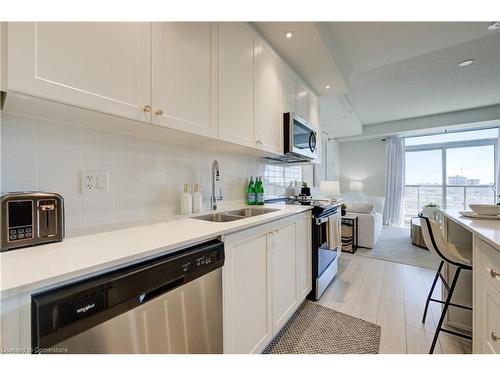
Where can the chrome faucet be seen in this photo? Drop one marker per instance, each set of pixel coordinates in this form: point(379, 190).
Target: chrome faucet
point(215, 178)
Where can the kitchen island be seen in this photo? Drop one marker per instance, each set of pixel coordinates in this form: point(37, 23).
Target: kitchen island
point(479, 239)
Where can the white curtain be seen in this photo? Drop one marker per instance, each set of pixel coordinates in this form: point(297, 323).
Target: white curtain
point(394, 181)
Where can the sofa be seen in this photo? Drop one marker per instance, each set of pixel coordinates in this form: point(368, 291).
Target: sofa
point(370, 211)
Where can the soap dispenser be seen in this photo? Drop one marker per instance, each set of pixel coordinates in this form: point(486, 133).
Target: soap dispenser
point(197, 201)
point(186, 201)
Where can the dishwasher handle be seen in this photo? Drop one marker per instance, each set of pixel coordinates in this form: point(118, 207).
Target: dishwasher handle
point(149, 295)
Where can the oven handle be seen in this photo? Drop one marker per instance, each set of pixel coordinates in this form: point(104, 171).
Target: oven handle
point(321, 220)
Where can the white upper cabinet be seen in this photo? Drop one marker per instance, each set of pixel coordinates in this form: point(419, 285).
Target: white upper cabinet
point(302, 102)
point(268, 115)
point(236, 83)
point(313, 109)
point(104, 66)
point(215, 80)
point(288, 90)
point(184, 77)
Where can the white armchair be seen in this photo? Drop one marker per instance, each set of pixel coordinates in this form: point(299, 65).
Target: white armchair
point(370, 211)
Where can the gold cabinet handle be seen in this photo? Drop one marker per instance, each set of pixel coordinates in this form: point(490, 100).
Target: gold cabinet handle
point(159, 112)
point(271, 232)
point(259, 142)
point(494, 336)
point(146, 108)
point(494, 274)
point(275, 231)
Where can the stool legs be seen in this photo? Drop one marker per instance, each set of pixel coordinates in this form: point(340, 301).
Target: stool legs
point(432, 291)
point(445, 309)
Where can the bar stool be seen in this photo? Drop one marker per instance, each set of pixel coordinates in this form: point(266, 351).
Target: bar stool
point(448, 253)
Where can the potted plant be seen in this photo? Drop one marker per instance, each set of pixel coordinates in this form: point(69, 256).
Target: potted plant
point(343, 209)
point(429, 210)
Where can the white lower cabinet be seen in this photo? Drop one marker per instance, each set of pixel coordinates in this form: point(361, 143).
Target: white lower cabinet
point(490, 318)
point(247, 301)
point(284, 273)
point(304, 257)
point(260, 281)
point(487, 306)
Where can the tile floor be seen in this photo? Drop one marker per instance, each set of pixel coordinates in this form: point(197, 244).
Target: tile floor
point(393, 296)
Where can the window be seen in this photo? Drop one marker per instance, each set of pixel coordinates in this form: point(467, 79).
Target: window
point(452, 170)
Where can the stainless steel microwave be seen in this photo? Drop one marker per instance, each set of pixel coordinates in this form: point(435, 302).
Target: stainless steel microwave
point(300, 143)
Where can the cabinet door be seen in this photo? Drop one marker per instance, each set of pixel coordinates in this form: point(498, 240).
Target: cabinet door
point(288, 90)
point(304, 257)
point(490, 318)
point(236, 83)
point(184, 76)
point(103, 66)
point(302, 100)
point(284, 278)
point(313, 109)
point(246, 286)
point(268, 115)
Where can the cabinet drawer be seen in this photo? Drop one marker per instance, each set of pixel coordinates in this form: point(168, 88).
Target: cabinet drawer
point(490, 318)
point(490, 264)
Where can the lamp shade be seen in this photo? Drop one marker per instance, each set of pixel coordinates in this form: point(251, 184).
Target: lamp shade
point(329, 187)
point(355, 186)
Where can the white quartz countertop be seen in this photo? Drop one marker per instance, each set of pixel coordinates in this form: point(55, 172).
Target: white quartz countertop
point(78, 257)
point(488, 230)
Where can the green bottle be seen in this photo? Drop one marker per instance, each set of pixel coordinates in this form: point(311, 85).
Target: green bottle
point(250, 192)
point(259, 190)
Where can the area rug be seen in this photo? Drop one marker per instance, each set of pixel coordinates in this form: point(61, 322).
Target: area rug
point(394, 245)
point(316, 329)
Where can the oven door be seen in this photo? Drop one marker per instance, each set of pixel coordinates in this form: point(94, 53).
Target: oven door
point(325, 258)
point(300, 137)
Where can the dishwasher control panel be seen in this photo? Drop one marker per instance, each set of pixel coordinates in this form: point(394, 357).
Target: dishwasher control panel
point(200, 261)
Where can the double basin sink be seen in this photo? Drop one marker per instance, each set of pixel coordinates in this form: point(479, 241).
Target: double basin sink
point(222, 217)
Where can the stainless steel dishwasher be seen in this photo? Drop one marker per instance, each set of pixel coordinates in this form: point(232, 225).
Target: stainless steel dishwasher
point(169, 304)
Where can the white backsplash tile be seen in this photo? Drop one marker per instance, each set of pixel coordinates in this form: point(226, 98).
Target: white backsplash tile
point(146, 177)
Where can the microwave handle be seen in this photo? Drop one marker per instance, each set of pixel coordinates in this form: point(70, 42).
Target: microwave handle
point(312, 136)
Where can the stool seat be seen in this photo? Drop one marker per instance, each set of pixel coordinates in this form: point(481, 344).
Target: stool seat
point(437, 245)
point(435, 242)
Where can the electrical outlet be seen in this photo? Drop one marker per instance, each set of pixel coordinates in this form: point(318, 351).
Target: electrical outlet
point(94, 182)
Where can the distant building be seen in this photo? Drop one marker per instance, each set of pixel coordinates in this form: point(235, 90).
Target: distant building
point(457, 180)
point(462, 180)
point(473, 181)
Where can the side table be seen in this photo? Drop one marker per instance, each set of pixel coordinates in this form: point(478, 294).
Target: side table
point(416, 233)
point(349, 233)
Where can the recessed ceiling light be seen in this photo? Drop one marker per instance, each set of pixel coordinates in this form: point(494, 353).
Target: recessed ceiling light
point(494, 26)
point(466, 62)
point(327, 87)
point(289, 34)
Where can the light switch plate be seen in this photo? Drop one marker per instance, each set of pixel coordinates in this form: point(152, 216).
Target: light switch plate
point(94, 181)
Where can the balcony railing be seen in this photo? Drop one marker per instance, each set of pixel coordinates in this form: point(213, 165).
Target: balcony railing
point(456, 197)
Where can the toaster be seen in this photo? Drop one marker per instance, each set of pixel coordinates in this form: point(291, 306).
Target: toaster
point(31, 218)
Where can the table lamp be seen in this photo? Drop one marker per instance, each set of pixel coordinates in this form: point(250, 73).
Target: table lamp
point(356, 186)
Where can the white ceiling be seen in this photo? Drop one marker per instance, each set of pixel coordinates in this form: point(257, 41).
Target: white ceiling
point(399, 70)
point(305, 52)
